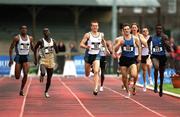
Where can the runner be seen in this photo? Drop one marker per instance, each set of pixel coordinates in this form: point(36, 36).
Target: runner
point(127, 61)
point(92, 42)
point(158, 44)
point(103, 61)
point(146, 63)
point(22, 43)
point(46, 47)
point(135, 30)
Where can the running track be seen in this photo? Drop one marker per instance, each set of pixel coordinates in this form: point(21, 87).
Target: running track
point(73, 98)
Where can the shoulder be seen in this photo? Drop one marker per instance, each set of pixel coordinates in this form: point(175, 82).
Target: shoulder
point(87, 35)
point(102, 34)
point(164, 36)
point(16, 38)
point(30, 37)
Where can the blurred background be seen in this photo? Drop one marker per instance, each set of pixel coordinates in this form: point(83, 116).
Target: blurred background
point(68, 20)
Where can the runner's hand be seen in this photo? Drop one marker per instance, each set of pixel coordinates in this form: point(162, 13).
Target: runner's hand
point(10, 63)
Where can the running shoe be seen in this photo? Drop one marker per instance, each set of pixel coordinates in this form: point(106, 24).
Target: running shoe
point(21, 93)
point(101, 88)
point(47, 95)
point(95, 92)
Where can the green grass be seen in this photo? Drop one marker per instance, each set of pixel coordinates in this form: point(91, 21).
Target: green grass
point(170, 88)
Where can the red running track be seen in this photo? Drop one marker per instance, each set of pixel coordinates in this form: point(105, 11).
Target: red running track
point(73, 97)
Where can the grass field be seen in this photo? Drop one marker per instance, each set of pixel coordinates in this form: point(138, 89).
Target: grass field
point(170, 88)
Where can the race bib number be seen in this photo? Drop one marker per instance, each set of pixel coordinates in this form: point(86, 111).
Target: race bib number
point(48, 50)
point(24, 46)
point(96, 46)
point(157, 49)
point(128, 48)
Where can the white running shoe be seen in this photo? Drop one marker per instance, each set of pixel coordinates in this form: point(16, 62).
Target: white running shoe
point(144, 88)
point(150, 80)
point(101, 88)
point(128, 95)
point(47, 95)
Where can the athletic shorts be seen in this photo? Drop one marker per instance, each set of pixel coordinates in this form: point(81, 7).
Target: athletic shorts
point(162, 59)
point(136, 59)
point(103, 61)
point(126, 61)
point(21, 58)
point(90, 58)
point(144, 58)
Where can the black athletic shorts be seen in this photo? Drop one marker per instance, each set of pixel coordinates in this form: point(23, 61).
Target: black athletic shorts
point(126, 61)
point(103, 62)
point(21, 58)
point(162, 59)
point(144, 58)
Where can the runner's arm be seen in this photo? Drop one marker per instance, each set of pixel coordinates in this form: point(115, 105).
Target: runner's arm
point(84, 40)
point(13, 44)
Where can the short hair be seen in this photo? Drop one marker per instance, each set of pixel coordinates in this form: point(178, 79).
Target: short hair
point(22, 26)
point(94, 21)
point(124, 25)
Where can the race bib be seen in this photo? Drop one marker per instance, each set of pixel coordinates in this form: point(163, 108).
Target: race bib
point(24, 46)
point(95, 46)
point(48, 50)
point(157, 49)
point(128, 48)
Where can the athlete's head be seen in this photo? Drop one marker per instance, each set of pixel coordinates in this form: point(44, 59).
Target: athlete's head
point(23, 29)
point(134, 28)
point(159, 29)
point(46, 32)
point(145, 31)
point(126, 29)
point(94, 26)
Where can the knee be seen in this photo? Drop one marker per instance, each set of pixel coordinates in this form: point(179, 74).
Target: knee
point(42, 74)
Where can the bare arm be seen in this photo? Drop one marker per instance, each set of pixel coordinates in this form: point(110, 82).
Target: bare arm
point(14, 42)
point(143, 40)
point(35, 51)
point(117, 45)
point(138, 45)
point(55, 47)
point(32, 43)
point(84, 40)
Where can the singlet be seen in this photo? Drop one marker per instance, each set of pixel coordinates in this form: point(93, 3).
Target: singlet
point(128, 48)
point(48, 47)
point(94, 43)
point(22, 47)
point(145, 50)
point(157, 45)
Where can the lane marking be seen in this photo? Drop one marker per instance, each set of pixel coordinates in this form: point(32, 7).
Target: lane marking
point(132, 100)
point(82, 105)
point(24, 100)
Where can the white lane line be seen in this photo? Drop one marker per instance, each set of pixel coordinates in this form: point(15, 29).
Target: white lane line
point(24, 100)
point(82, 105)
point(132, 100)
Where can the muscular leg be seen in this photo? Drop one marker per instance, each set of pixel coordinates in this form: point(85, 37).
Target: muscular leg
point(161, 70)
point(144, 68)
point(87, 69)
point(134, 74)
point(18, 68)
point(156, 69)
point(25, 66)
point(103, 68)
point(124, 77)
point(96, 66)
point(43, 72)
point(49, 76)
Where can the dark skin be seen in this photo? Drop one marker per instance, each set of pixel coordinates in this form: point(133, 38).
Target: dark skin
point(39, 44)
point(157, 67)
point(20, 66)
